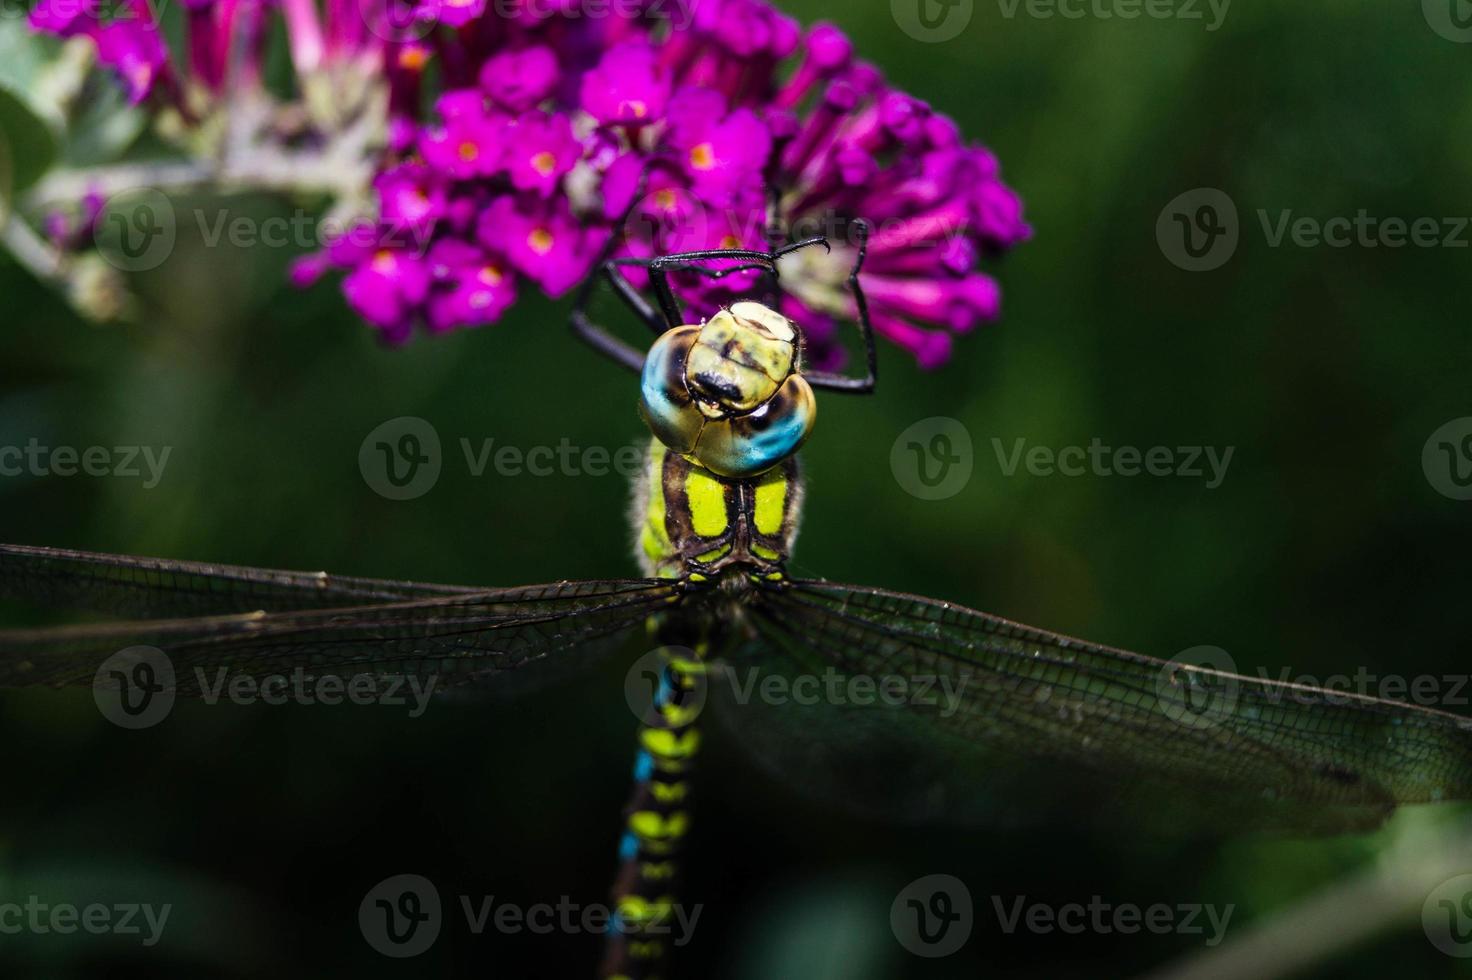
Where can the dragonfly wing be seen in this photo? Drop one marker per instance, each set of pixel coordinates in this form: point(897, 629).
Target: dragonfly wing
point(1013, 720)
point(126, 585)
point(455, 638)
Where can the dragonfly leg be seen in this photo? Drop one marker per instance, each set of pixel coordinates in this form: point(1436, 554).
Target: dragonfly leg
point(656, 821)
point(832, 381)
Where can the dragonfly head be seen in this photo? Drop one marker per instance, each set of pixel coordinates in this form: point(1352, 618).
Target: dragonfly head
point(727, 393)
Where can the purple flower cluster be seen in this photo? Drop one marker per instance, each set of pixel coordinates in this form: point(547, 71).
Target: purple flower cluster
point(556, 134)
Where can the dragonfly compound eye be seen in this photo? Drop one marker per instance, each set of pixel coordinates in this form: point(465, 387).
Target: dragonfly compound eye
point(727, 393)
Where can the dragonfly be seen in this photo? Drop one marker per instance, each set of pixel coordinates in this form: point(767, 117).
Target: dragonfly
point(1030, 720)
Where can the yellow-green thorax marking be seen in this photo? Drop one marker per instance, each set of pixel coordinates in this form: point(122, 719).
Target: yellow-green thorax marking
point(693, 524)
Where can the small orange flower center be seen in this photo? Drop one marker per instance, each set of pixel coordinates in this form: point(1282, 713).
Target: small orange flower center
point(384, 262)
point(540, 241)
point(491, 276)
point(469, 151)
point(636, 108)
point(544, 163)
point(730, 241)
point(703, 157)
point(413, 57)
point(665, 199)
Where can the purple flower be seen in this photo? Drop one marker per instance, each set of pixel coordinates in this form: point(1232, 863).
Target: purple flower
point(472, 287)
point(451, 13)
point(627, 87)
point(386, 289)
point(540, 149)
point(520, 79)
point(543, 241)
point(64, 18)
point(472, 141)
point(410, 198)
point(554, 132)
point(134, 49)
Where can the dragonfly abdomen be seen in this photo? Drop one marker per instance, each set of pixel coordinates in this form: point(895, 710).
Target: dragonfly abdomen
point(656, 821)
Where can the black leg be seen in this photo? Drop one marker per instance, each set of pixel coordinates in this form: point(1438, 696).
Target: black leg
point(838, 382)
point(600, 339)
point(669, 314)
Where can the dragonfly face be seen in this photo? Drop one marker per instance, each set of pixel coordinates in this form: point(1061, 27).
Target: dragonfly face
point(727, 393)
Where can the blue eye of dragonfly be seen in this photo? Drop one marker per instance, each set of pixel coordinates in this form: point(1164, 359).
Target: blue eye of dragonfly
point(727, 393)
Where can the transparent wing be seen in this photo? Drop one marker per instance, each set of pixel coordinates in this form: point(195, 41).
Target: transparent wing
point(125, 585)
point(993, 720)
point(456, 635)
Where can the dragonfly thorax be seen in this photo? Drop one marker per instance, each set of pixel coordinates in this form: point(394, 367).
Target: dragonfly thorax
point(727, 393)
point(699, 526)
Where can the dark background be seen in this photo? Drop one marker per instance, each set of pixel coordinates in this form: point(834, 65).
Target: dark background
point(1325, 549)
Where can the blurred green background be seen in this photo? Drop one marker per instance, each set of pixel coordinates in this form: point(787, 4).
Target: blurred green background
point(1325, 548)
